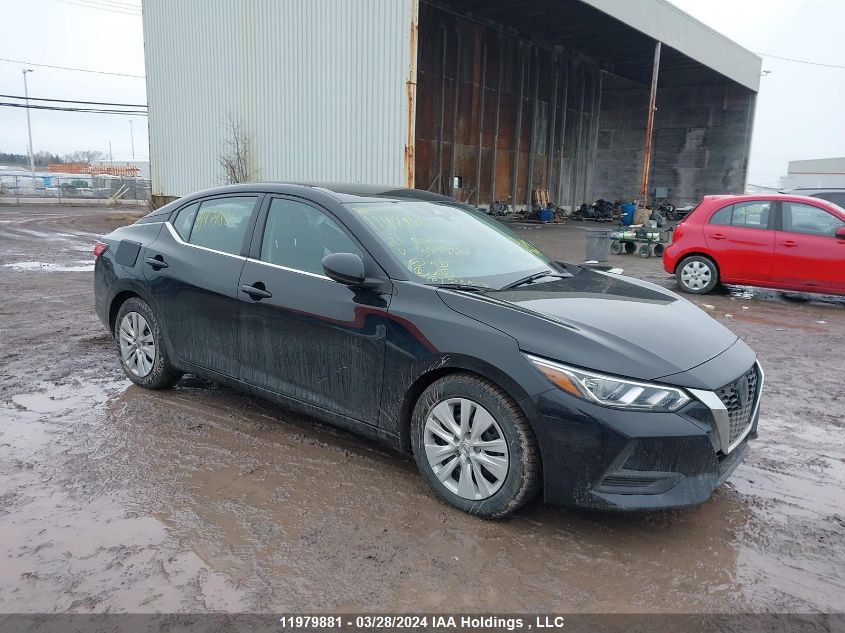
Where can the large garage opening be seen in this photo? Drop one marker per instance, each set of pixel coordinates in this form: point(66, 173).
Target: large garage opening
point(553, 94)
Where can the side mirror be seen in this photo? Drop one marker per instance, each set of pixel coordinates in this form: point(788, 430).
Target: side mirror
point(347, 269)
point(840, 233)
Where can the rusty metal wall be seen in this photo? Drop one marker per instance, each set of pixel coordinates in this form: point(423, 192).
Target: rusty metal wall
point(501, 113)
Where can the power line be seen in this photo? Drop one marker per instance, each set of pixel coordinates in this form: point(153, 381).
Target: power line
point(81, 70)
point(5, 104)
point(97, 7)
point(117, 3)
point(802, 61)
point(127, 105)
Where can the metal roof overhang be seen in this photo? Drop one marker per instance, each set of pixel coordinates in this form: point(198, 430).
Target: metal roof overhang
point(619, 35)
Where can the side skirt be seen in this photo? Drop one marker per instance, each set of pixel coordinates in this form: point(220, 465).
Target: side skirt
point(298, 406)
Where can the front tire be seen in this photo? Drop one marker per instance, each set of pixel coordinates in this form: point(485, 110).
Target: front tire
point(140, 346)
point(474, 446)
point(697, 275)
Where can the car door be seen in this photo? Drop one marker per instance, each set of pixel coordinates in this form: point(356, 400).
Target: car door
point(740, 238)
point(303, 335)
point(192, 270)
point(807, 252)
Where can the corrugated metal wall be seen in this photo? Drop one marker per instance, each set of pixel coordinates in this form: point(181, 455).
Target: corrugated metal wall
point(290, 73)
point(502, 113)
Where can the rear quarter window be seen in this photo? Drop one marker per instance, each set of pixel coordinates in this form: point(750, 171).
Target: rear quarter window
point(722, 216)
point(185, 220)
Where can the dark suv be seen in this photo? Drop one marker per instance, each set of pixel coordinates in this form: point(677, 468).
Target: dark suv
point(836, 196)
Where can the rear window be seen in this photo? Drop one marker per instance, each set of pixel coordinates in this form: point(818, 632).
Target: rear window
point(836, 197)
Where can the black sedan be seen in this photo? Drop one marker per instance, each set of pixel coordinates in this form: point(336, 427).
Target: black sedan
point(423, 323)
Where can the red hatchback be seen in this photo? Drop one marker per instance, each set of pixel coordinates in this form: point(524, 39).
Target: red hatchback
point(777, 241)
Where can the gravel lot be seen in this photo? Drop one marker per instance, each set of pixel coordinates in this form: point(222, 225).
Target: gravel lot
point(199, 498)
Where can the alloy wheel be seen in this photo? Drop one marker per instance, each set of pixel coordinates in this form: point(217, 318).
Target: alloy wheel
point(466, 448)
point(137, 345)
point(695, 275)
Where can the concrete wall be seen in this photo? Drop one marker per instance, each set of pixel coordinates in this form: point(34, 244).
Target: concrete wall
point(702, 136)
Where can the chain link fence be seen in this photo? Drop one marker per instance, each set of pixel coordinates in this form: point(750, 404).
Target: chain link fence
point(98, 189)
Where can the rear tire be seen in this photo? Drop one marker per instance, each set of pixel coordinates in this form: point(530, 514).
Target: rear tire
point(474, 446)
point(140, 346)
point(697, 275)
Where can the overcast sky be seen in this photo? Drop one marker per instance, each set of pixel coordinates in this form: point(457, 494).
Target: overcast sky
point(799, 108)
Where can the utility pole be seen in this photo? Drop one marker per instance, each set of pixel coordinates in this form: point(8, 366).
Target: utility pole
point(132, 137)
point(28, 124)
point(652, 106)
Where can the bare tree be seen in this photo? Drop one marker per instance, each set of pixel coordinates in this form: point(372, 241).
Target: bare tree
point(235, 158)
point(84, 156)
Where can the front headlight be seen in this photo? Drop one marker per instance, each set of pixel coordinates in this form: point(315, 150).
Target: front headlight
point(611, 391)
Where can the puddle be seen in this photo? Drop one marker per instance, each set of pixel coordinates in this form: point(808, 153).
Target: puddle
point(78, 266)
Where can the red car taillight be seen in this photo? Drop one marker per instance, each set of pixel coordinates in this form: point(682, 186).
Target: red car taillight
point(676, 235)
point(99, 249)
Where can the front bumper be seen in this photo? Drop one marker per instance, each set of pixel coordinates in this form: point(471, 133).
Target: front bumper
point(612, 459)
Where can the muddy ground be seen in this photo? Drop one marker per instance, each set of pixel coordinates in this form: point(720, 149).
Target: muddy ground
point(199, 498)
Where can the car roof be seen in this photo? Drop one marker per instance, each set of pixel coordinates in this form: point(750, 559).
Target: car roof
point(342, 192)
point(788, 197)
point(803, 191)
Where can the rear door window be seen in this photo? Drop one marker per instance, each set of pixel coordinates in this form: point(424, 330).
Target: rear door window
point(221, 223)
point(754, 214)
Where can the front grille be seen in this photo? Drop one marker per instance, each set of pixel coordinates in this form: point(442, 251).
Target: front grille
point(739, 398)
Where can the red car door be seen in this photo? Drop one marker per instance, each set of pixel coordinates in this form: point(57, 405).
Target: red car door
point(808, 255)
point(740, 239)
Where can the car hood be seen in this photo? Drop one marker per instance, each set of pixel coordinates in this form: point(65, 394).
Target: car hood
point(603, 322)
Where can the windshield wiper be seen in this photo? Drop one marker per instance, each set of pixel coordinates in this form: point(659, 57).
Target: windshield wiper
point(455, 286)
point(531, 278)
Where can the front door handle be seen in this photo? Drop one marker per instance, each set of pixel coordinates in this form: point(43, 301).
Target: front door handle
point(156, 262)
point(717, 236)
point(256, 292)
point(789, 244)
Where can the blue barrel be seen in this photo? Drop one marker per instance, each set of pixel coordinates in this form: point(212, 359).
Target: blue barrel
point(628, 213)
point(546, 215)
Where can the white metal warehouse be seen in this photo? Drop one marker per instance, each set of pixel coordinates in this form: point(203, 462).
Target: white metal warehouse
point(479, 99)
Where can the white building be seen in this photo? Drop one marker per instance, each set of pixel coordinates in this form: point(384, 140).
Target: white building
point(818, 173)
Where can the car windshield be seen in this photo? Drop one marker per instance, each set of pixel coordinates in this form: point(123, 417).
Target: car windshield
point(445, 244)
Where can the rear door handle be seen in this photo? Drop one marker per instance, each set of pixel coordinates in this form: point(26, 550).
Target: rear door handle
point(255, 293)
point(717, 236)
point(789, 244)
point(156, 262)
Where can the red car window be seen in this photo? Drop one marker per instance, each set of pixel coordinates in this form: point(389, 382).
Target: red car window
point(753, 214)
point(805, 218)
point(723, 216)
